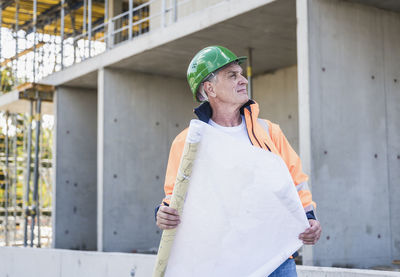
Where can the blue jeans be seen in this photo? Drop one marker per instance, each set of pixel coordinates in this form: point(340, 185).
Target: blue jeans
point(287, 269)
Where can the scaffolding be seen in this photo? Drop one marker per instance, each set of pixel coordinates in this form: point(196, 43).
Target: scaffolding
point(49, 35)
point(45, 36)
point(25, 199)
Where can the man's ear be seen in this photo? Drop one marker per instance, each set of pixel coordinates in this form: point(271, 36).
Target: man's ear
point(209, 89)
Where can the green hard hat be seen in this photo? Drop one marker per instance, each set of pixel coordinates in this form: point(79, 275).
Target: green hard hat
point(205, 62)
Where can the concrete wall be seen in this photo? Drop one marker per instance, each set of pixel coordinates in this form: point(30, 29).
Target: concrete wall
point(139, 116)
point(74, 192)
point(185, 8)
point(276, 94)
point(65, 263)
point(68, 263)
point(348, 63)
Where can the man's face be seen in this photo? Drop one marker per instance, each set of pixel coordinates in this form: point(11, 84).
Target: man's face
point(230, 85)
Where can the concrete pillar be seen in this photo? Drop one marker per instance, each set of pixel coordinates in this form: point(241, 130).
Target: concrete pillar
point(139, 116)
point(114, 8)
point(74, 194)
point(391, 44)
point(348, 102)
point(276, 93)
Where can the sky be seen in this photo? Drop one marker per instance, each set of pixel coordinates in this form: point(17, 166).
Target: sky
point(25, 67)
point(48, 58)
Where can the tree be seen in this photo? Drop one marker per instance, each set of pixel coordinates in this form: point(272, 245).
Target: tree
point(7, 80)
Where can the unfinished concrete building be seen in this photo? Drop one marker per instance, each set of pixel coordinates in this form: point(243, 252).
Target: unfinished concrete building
point(328, 71)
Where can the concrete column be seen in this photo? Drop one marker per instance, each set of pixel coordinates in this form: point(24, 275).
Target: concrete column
point(114, 8)
point(276, 93)
point(74, 193)
point(303, 66)
point(347, 108)
point(139, 116)
point(391, 44)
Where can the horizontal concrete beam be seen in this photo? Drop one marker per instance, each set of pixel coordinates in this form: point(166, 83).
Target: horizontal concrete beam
point(149, 41)
point(17, 262)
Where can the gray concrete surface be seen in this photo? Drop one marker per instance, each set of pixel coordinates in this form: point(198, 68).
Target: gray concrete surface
point(140, 115)
point(315, 271)
point(391, 5)
point(234, 24)
point(303, 83)
point(68, 263)
point(352, 155)
point(21, 262)
point(184, 8)
point(391, 58)
point(276, 94)
point(74, 191)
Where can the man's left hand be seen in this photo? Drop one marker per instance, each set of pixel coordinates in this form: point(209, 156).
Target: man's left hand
point(311, 235)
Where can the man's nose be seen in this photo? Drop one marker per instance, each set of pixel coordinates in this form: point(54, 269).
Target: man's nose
point(243, 80)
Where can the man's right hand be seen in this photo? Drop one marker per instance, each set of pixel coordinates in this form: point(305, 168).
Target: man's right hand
point(167, 218)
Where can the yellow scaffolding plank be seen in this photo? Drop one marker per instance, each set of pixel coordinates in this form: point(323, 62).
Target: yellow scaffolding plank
point(22, 53)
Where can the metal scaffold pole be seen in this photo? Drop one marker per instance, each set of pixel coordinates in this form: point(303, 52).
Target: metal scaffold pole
point(175, 10)
point(163, 12)
point(26, 60)
point(55, 48)
point(16, 41)
point(1, 24)
point(62, 33)
point(34, 39)
point(42, 56)
point(6, 177)
point(106, 25)
point(84, 27)
point(15, 177)
point(73, 24)
point(28, 174)
point(35, 207)
point(90, 26)
point(249, 72)
point(130, 18)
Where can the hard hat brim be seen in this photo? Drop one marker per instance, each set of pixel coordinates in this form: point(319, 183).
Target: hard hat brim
point(241, 59)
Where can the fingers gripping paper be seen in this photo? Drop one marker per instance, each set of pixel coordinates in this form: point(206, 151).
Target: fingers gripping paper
point(242, 215)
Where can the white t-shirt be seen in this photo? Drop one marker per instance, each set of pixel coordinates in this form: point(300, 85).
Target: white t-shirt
point(239, 132)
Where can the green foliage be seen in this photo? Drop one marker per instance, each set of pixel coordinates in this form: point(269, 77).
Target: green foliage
point(7, 80)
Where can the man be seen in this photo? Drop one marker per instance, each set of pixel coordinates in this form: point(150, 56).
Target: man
point(215, 78)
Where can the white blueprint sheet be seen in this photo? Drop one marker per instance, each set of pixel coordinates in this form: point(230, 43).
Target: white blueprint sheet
point(242, 215)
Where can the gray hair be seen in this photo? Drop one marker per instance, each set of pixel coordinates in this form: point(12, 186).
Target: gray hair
point(201, 94)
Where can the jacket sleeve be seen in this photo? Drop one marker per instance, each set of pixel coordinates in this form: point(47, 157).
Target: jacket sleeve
point(293, 163)
point(174, 160)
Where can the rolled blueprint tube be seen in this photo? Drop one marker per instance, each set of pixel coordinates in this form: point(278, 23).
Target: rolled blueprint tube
point(179, 193)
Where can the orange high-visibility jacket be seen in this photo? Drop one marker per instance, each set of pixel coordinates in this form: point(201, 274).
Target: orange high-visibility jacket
point(263, 134)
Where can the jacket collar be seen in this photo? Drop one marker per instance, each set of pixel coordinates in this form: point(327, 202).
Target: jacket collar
point(204, 111)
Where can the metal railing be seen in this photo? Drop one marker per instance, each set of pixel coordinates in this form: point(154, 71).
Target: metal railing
point(53, 53)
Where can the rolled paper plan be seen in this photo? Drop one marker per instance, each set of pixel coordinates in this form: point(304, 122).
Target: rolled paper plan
point(179, 193)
